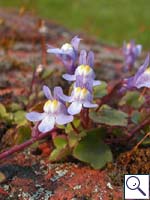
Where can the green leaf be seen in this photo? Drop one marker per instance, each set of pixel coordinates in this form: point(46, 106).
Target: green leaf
point(91, 149)
point(117, 131)
point(100, 90)
point(109, 116)
point(133, 99)
point(3, 112)
point(146, 142)
point(19, 117)
point(73, 139)
point(14, 107)
point(60, 142)
point(136, 117)
point(46, 73)
point(23, 99)
point(69, 128)
point(101, 131)
point(23, 134)
point(62, 149)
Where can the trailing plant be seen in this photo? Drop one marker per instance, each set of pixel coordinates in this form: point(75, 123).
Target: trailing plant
point(84, 123)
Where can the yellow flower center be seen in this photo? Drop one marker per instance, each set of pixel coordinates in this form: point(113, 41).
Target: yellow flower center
point(147, 71)
point(128, 46)
point(51, 106)
point(83, 93)
point(78, 90)
point(67, 47)
point(80, 93)
point(47, 103)
point(84, 70)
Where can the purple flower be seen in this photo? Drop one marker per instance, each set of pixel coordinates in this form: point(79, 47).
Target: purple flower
point(81, 96)
point(131, 52)
point(141, 78)
point(67, 53)
point(55, 111)
point(85, 69)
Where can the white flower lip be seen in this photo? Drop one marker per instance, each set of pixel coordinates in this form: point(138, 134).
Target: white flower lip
point(67, 47)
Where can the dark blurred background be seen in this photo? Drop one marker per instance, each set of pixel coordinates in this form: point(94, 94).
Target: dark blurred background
point(111, 21)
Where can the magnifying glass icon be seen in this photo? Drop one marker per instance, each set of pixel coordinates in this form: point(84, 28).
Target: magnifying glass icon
point(133, 183)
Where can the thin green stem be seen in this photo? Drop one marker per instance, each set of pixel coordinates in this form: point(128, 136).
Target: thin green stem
point(74, 128)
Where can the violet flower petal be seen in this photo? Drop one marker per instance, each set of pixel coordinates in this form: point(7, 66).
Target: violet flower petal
point(69, 77)
point(47, 92)
point(57, 92)
point(47, 124)
point(75, 42)
point(61, 52)
point(89, 105)
point(79, 81)
point(90, 59)
point(35, 116)
point(75, 108)
point(82, 57)
point(143, 81)
point(138, 50)
point(143, 67)
point(54, 51)
point(96, 83)
point(63, 119)
point(59, 95)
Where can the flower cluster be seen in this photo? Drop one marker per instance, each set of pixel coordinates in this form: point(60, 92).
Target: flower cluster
point(85, 69)
point(68, 53)
point(141, 78)
point(55, 109)
point(131, 52)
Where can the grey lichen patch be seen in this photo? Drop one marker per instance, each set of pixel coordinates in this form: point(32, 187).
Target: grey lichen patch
point(109, 186)
point(41, 193)
point(96, 189)
point(60, 173)
point(6, 187)
point(72, 174)
point(77, 187)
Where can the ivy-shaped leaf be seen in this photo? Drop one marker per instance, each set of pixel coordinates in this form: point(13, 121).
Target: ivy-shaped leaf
point(91, 149)
point(3, 112)
point(69, 128)
point(109, 116)
point(46, 73)
point(23, 134)
point(13, 107)
point(62, 149)
point(133, 99)
point(73, 139)
point(136, 117)
point(100, 90)
point(19, 117)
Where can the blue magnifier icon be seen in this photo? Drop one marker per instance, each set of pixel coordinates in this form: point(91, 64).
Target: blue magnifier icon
point(133, 183)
